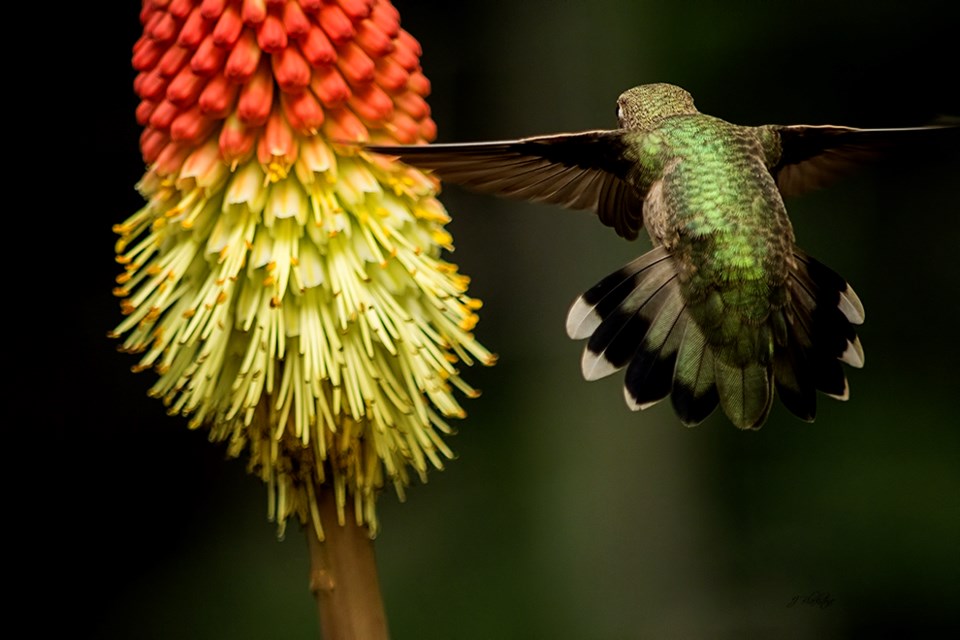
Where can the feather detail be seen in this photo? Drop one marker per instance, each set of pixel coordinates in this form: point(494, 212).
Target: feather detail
point(637, 318)
point(590, 309)
point(813, 156)
point(746, 392)
point(614, 342)
point(694, 394)
point(649, 377)
point(821, 317)
point(585, 170)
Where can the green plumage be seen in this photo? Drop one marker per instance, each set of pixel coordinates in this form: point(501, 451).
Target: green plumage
point(717, 210)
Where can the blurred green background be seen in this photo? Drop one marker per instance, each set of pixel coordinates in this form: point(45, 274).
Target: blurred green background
point(566, 515)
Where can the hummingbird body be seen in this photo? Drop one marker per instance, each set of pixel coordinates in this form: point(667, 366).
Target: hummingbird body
point(718, 212)
point(725, 309)
point(714, 207)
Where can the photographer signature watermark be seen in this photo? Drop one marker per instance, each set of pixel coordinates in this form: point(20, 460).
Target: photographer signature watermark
point(819, 599)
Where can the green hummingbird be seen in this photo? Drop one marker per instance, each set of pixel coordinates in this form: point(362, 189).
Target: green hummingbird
point(725, 309)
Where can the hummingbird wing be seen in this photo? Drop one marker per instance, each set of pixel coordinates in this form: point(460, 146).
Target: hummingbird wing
point(815, 156)
point(579, 171)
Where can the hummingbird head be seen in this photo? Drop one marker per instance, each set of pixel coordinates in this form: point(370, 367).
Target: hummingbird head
point(644, 106)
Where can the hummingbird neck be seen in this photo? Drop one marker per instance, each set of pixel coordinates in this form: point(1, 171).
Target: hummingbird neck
point(646, 106)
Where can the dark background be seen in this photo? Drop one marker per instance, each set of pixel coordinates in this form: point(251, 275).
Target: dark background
point(565, 515)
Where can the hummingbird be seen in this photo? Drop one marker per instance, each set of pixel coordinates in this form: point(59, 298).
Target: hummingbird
point(725, 310)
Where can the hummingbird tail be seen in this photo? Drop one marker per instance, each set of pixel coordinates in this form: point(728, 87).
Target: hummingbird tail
point(637, 318)
point(814, 336)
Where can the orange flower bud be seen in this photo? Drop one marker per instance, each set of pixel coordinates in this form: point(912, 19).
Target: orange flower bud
point(191, 126)
point(163, 115)
point(390, 75)
point(371, 103)
point(387, 19)
point(330, 87)
point(144, 110)
point(172, 61)
point(316, 47)
point(228, 29)
point(295, 22)
point(256, 97)
point(303, 111)
point(342, 125)
point(356, 9)
point(212, 8)
point(372, 40)
point(243, 59)
point(254, 11)
point(277, 143)
point(185, 88)
point(291, 70)
point(151, 85)
point(218, 97)
point(236, 140)
point(357, 67)
point(271, 36)
point(407, 51)
point(152, 142)
point(336, 23)
point(209, 57)
point(194, 29)
point(413, 105)
point(146, 53)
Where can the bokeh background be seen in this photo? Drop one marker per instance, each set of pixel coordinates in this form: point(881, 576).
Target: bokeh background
point(565, 515)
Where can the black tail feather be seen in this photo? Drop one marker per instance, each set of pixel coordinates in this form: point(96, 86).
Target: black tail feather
point(824, 310)
point(649, 378)
point(637, 318)
point(694, 395)
point(606, 296)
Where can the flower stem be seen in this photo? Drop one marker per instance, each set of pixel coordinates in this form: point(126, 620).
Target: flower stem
point(343, 577)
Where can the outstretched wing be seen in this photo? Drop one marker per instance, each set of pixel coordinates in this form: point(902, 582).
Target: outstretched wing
point(579, 171)
point(814, 156)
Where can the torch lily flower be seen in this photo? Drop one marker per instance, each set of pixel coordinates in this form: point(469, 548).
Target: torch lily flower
point(289, 290)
